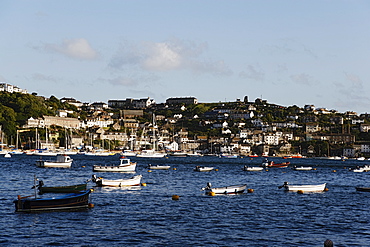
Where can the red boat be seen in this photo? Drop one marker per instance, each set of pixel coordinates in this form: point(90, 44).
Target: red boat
point(278, 165)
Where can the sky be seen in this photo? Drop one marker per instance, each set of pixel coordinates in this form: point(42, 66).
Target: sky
point(288, 52)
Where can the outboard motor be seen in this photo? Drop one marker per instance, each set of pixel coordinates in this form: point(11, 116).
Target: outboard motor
point(41, 183)
point(93, 178)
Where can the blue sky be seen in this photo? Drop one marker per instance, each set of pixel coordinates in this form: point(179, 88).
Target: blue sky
point(287, 52)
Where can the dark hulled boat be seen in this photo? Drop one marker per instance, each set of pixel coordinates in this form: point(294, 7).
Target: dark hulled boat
point(70, 201)
point(363, 189)
point(62, 189)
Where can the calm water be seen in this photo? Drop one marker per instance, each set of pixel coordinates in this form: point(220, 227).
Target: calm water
point(148, 216)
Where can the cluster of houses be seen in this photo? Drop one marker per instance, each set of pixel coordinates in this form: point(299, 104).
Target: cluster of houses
point(259, 137)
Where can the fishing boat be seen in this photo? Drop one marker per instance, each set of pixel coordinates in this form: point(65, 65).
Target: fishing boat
point(363, 189)
point(234, 189)
point(203, 169)
point(125, 166)
point(66, 202)
point(252, 168)
point(302, 168)
point(61, 189)
point(134, 181)
point(158, 167)
point(62, 161)
point(304, 188)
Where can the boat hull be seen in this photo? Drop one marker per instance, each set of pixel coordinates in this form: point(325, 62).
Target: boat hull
point(41, 163)
point(305, 188)
point(159, 167)
point(303, 168)
point(252, 169)
point(134, 181)
point(363, 189)
point(67, 202)
point(234, 189)
point(203, 169)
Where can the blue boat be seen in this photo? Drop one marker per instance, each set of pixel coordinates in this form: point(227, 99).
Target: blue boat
point(66, 202)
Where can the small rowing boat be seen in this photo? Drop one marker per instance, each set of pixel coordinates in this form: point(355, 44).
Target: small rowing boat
point(302, 168)
point(61, 189)
point(203, 169)
point(363, 189)
point(233, 189)
point(133, 181)
point(158, 167)
point(252, 168)
point(304, 188)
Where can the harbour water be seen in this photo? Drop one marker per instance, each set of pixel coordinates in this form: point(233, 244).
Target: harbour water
point(147, 215)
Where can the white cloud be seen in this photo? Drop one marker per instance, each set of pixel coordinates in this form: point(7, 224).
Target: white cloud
point(303, 79)
point(351, 93)
point(168, 56)
point(162, 56)
point(42, 77)
point(73, 48)
point(252, 73)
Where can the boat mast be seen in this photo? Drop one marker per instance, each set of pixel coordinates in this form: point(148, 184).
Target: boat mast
point(154, 138)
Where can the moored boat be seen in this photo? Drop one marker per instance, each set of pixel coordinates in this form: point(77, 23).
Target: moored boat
point(302, 168)
point(233, 189)
point(363, 189)
point(203, 169)
point(62, 161)
point(133, 181)
point(252, 168)
point(304, 188)
point(158, 167)
point(272, 164)
point(66, 202)
point(150, 154)
point(125, 166)
point(61, 189)
point(128, 153)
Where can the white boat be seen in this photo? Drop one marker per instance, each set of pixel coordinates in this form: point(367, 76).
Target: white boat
point(203, 169)
point(45, 153)
point(158, 167)
point(304, 188)
point(128, 153)
point(302, 168)
point(252, 168)
point(62, 161)
point(134, 181)
point(150, 154)
point(229, 156)
point(99, 153)
point(125, 166)
point(234, 189)
point(364, 168)
point(7, 155)
point(358, 169)
point(178, 154)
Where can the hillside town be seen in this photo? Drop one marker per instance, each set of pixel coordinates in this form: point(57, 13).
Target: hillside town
point(183, 125)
